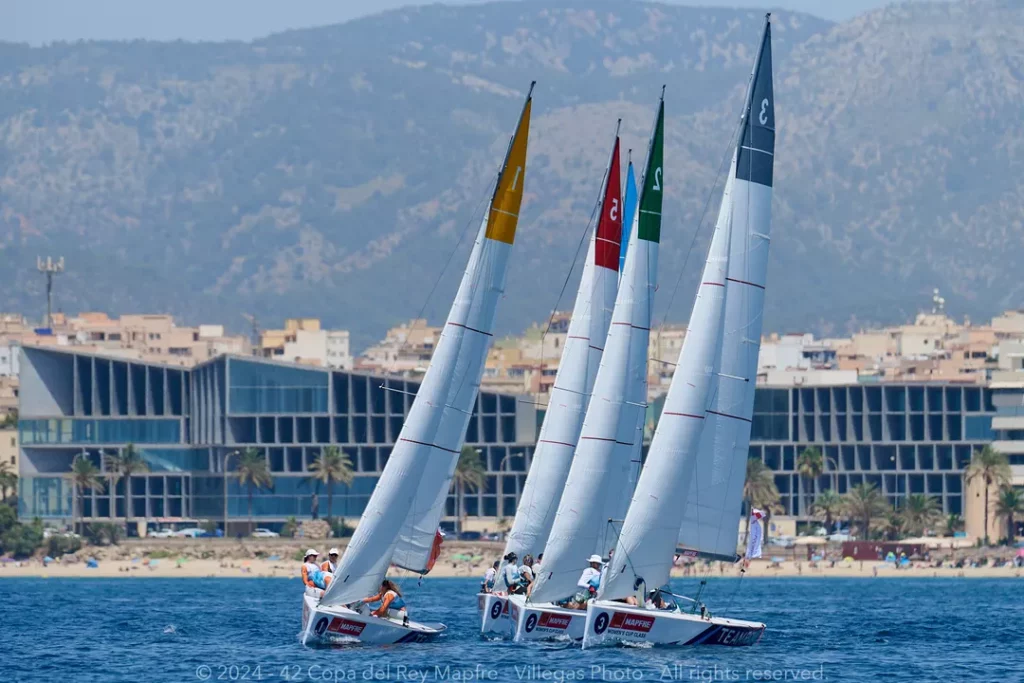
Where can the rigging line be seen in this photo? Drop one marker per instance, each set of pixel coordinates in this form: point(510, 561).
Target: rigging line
point(707, 203)
point(594, 215)
point(474, 217)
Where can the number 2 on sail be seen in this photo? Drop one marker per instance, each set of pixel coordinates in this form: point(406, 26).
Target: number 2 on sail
point(657, 179)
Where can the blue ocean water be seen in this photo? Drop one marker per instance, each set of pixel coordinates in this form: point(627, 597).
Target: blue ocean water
point(247, 629)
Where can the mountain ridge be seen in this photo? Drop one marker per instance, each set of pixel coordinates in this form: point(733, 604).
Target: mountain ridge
point(332, 171)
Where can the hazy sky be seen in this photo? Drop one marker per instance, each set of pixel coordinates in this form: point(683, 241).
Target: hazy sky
point(42, 21)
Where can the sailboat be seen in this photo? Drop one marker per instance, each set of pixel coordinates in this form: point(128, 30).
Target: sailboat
point(574, 381)
point(400, 523)
point(702, 440)
point(597, 488)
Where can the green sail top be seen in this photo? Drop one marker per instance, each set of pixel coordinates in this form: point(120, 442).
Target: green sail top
point(649, 218)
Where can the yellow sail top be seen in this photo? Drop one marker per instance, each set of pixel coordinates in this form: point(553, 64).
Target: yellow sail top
point(501, 225)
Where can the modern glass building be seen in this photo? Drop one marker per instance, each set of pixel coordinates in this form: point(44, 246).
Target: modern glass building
point(188, 423)
point(904, 438)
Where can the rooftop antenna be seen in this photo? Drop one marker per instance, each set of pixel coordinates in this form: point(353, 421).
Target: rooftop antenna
point(49, 268)
point(938, 302)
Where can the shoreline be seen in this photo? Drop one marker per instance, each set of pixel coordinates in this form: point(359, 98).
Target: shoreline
point(284, 569)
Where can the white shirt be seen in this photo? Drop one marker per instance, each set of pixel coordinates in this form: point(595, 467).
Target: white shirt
point(588, 574)
point(526, 572)
point(489, 575)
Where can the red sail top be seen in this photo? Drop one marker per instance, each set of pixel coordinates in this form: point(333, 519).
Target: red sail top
point(609, 225)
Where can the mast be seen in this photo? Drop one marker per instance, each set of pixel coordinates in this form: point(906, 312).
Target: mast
point(401, 518)
point(581, 357)
point(599, 475)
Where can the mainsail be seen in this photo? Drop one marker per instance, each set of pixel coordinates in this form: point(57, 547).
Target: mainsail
point(401, 519)
point(598, 479)
point(649, 531)
point(710, 525)
point(581, 357)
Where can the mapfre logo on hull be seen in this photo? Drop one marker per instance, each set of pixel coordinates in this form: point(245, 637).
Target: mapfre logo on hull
point(345, 627)
point(631, 622)
point(550, 620)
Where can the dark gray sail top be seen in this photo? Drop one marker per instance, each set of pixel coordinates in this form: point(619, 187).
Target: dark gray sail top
point(757, 142)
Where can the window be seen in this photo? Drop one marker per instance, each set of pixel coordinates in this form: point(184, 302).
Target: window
point(264, 388)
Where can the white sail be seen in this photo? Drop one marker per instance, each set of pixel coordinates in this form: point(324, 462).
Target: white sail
point(403, 513)
point(714, 495)
point(648, 535)
point(600, 471)
point(581, 357)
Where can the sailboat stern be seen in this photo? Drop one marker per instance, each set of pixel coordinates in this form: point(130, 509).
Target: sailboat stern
point(336, 626)
point(545, 621)
point(614, 622)
point(495, 619)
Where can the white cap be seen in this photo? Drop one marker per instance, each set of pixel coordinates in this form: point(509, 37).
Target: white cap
point(333, 551)
point(595, 558)
point(311, 552)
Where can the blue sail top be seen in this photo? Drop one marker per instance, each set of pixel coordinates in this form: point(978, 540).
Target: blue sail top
point(627, 218)
point(754, 160)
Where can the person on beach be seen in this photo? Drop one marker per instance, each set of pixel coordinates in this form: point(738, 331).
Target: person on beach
point(492, 573)
point(392, 605)
point(332, 562)
point(312, 575)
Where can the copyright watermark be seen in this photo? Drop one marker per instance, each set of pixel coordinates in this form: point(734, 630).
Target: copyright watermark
point(531, 673)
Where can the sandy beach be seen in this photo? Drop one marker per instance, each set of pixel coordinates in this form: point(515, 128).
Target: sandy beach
point(227, 558)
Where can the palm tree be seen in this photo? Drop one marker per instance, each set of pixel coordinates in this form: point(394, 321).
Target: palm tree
point(469, 475)
point(8, 480)
point(1010, 503)
point(759, 490)
point(809, 465)
point(253, 473)
point(125, 464)
point(331, 466)
point(864, 502)
point(993, 468)
point(920, 512)
point(892, 525)
point(828, 504)
point(84, 475)
point(954, 523)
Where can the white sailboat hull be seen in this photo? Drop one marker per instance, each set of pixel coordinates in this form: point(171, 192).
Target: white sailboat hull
point(338, 625)
point(494, 614)
point(545, 621)
point(614, 622)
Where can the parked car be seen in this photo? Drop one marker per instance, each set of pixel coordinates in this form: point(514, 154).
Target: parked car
point(264, 533)
point(840, 538)
point(470, 536)
point(160, 533)
point(193, 532)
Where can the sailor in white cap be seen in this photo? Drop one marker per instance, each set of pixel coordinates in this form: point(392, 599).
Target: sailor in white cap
point(312, 575)
point(331, 565)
